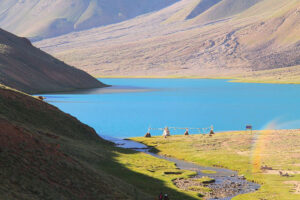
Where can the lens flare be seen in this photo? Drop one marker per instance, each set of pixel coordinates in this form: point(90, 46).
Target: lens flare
point(263, 136)
point(260, 140)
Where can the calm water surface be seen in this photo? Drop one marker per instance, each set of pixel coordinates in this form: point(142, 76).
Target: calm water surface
point(141, 103)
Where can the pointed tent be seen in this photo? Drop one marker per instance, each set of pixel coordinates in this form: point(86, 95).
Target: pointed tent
point(166, 132)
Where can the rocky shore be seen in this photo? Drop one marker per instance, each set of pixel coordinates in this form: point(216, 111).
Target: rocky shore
point(224, 188)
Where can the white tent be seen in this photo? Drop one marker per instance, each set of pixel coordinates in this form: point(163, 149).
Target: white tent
point(166, 132)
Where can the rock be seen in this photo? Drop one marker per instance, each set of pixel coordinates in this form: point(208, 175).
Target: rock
point(173, 173)
point(41, 98)
point(242, 177)
point(148, 135)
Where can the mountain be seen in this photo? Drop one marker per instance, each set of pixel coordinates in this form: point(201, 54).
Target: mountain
point(37, 19)
point(26, 68)
point(204, 38)
point(47, 154)
point(212, 10)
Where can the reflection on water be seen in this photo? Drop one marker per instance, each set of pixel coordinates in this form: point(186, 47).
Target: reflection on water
point(131, 106)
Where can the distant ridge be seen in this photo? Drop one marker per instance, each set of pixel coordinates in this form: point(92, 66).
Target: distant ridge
point(38, 19)
point(205, 11)
point(26, 68)
point(224, 9)
point(202, 7)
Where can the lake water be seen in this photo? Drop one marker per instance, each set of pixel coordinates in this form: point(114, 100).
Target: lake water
point(133, 105)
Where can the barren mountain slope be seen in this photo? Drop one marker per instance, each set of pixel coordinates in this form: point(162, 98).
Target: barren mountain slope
point(242, 36)
point(26, 68)
point(38, 19)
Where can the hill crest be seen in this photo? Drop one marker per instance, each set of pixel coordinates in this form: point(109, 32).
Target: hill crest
point(38, 19)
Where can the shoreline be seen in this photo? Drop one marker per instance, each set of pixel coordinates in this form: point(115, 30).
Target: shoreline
point(105, 90)
point(162, 77)
point(285, 75)
point(228, 79)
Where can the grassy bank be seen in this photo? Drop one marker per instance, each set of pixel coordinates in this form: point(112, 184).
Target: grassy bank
point(246, 153)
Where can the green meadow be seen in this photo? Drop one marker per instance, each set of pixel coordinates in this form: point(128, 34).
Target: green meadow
point(248, 154)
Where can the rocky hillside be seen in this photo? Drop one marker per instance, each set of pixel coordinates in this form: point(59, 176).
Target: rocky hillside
point(37, 19)
point(26, 68)
point(47, 154)
point(190, 38)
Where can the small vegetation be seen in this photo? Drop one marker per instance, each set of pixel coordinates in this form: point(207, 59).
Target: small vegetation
point(199, 189)
point(208, 172)
point(205, 180)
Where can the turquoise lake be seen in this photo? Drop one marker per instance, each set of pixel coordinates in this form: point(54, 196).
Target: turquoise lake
point(131, 106)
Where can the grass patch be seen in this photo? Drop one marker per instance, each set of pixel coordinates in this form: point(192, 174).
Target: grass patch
point(199, 189)
point(205, 180)
point(208, 172)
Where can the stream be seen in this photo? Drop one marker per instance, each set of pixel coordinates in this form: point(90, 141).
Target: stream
point(227, 185)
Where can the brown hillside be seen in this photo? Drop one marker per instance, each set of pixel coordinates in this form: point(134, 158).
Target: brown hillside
point(26, 68)
point(47, 154)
